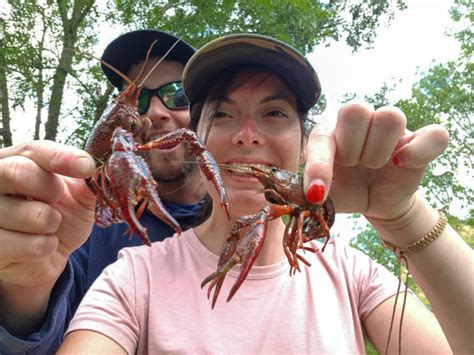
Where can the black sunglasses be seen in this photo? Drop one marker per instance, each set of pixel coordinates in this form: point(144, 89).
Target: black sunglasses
point(171, 95)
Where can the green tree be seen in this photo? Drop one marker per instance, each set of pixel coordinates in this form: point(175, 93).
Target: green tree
point(444, 95)
point(55, 60)
point(41, 47)
point(302, 23)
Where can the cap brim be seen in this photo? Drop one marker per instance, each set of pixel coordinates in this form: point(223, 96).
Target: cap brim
point(244, 49)
point(132, 47)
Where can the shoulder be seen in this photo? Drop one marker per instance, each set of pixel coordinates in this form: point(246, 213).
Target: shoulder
point(339, 253)
point(356, 267)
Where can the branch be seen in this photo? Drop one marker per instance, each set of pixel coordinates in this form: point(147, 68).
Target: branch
point(86, 88)
point(62, 7)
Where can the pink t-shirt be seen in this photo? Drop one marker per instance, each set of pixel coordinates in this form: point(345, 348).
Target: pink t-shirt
point(150, 302)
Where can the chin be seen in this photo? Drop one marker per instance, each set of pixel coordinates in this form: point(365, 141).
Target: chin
point(250, 200)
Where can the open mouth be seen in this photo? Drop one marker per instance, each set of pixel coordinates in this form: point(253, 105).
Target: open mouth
point(247, 170)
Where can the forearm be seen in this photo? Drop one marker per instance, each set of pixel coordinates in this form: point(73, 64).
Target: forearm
point(443, 270)
point(22, 309)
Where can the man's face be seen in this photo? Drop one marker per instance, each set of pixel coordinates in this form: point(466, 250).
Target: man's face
point(168, 164)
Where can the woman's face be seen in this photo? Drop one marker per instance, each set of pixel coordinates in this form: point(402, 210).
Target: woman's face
point(255, 122)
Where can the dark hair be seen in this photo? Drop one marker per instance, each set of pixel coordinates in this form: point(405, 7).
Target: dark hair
point(221, 83)
point(218, 90)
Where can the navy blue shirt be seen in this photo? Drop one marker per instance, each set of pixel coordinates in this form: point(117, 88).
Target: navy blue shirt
point(83, 267)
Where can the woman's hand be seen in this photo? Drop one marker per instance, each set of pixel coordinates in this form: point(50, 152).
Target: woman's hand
point(369, 162)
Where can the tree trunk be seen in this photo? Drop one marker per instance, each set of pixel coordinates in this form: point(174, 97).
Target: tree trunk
point(70, 35)
point(40, 84)
point(6, 132)
point(59, 81)
point(39, 104)
point(102, 101)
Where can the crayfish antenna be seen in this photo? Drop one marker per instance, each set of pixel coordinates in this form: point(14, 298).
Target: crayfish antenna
point(116, 71)
point(158, 63)
point(142, 69)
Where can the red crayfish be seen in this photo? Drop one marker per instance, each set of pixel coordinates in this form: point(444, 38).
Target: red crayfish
point(284, 192)
point(124, 179)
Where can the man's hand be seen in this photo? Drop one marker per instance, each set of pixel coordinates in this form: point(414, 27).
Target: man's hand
point(46, 212)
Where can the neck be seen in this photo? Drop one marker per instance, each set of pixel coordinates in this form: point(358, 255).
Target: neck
point(213, 233)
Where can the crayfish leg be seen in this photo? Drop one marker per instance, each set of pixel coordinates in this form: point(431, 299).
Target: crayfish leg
point(159, 209)
point(250, 246)
point(325, 230)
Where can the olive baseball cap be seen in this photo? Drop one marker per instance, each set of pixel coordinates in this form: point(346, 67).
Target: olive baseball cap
point(132, 47)
point(237, 49)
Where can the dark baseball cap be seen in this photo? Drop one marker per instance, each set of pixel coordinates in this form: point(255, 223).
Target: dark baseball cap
point(244, 49)
point(132, 47)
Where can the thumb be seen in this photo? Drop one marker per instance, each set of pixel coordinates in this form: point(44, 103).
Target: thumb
point(426, 145)
point(54, 157)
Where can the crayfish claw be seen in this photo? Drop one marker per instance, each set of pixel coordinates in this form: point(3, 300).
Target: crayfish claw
point(205, 160)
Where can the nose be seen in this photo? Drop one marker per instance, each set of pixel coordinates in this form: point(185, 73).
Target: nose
point(157, 111)
point(248, 134)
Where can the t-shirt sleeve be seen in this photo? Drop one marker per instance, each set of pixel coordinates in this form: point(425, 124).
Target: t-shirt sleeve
point(109, 306)
point(48, 338)
point(374, 283)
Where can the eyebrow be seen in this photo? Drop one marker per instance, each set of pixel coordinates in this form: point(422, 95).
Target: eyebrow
point(275, 98)
point(263, 101)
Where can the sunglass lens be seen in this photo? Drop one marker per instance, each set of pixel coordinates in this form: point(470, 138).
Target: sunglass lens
point(173, 96)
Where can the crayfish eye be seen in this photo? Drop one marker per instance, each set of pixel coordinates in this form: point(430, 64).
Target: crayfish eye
point(274, 170)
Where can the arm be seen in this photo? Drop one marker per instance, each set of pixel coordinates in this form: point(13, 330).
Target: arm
point(443, 270)
point(45, 216)
point(371, 164)
point(89, 342)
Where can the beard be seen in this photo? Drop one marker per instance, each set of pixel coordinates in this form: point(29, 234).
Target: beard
point(170, 167)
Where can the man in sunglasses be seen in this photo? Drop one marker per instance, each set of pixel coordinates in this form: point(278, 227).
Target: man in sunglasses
point(47, 260)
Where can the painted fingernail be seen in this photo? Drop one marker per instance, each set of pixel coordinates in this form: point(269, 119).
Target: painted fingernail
point(85, 166)
point(316, 191)
point(396, 161)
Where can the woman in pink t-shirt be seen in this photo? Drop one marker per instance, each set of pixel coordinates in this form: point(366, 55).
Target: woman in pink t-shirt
point(250, 96)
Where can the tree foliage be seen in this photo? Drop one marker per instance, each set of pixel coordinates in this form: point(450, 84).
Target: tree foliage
point(302, 23)
point(44, 43)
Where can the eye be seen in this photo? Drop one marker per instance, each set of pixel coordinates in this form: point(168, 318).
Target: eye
point(220, 114)
point(276, 113)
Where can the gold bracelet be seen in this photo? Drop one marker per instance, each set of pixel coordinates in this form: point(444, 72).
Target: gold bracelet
point(422, 242)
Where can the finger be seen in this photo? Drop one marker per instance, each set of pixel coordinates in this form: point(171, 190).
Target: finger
point(21, 215)
point(318, 171)
point(427, 144)
point(386, 127)
point(20, 175)
point(22, 247)
point(54, 157)
point(351, 131)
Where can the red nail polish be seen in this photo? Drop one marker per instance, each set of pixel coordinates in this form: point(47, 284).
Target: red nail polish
point(316, 191)
point(396, 161)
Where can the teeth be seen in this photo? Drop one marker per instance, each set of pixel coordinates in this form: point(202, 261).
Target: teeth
point(156, 136)
point(240, 174)
point(251, 164)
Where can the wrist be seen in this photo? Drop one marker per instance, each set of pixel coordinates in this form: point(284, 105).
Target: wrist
point(419, 219)
point(22, 309)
